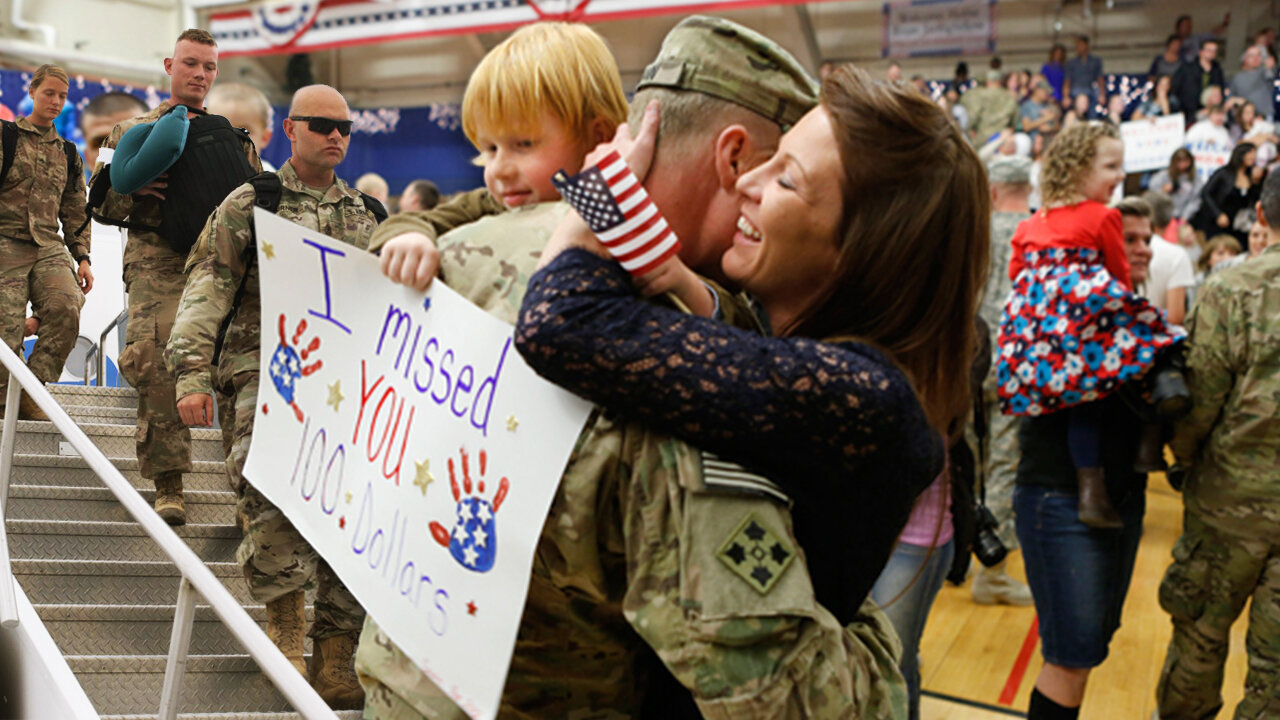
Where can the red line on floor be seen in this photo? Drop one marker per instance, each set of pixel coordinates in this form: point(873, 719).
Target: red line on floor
point(1019, 669)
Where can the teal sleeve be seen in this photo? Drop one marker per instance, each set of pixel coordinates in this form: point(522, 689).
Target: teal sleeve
point(147, 150)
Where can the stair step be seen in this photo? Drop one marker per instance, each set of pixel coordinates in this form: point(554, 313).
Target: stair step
point(131, 684)
point(109, 581)
point(132, 629)
point(100, 396)
point(36, 502)
point(72, 471)
point(40, 437)
point(65, 540)
point(102, 414)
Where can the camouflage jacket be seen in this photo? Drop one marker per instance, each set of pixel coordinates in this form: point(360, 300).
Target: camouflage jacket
point(217, 265)
point(145, 210)
point(628, 566)
point(36, 195)
point(465, 208)
point(1231, 438)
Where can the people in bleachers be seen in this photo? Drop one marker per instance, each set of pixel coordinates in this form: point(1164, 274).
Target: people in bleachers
point(1054, 71)
point(1193, 42)
point(1158, 102)
point(1255, 82)
point(1180, 182)
point(893, 73)
point(1229, 551)
point(247, 107)
point(100, 116)
point(1228, 196)
point(1194, 76)
point(1170, 275)
point(1265, 40)
point(1082, 74)
point(1081, 109)
point(1210, 132)
point(419, 195)
point(1167, 62)
point(1218, 252)
point(1039, 113)
point(1249, 126)
point(951, 101)
point(991, 108)
point(1115, 110)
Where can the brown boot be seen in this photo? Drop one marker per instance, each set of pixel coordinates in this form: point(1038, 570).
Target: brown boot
point(1150, 457)
point(286, 626)
point(1094, 505)
point(333, 672)
point(170, 505)
point(29, 410)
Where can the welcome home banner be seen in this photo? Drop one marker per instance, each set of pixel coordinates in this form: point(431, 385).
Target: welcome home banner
point(406, 439)
point(939, 27)
point(309, 25)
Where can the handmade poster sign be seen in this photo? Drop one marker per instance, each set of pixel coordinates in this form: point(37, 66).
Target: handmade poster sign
point(409, 443)
point(1149, 142)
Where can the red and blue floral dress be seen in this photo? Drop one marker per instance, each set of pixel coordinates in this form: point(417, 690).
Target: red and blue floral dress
point(1073, 331)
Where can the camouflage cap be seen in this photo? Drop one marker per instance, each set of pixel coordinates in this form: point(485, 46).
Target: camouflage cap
point(1011, 169)
point(726, 60)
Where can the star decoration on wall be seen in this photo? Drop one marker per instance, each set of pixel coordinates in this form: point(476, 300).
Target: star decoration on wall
point(335, 395)
point(423, 477)
point(512, 423)
point(268, 250)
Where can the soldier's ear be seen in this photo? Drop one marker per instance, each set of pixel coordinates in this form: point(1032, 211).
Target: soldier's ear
point(731, 153)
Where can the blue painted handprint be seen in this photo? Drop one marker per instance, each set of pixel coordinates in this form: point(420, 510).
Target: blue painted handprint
point(286, 364)
point(473, 542)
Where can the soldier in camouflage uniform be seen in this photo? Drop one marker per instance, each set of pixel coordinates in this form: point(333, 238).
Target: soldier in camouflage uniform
point(39, 191)
point(154, 280)
point(628, 564)
point(1229, 551)
point(277, 562)
point(1010, 179)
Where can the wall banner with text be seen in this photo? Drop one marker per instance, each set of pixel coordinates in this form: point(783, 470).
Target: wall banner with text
point(406, 439)
point(939, 27)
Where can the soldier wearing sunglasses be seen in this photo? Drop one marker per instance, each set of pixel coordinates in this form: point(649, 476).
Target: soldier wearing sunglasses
point(222, 282)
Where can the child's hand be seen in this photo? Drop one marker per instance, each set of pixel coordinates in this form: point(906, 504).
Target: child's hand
point(31, 327)
point(410, 259)
point(674, 277)
point(572, 232)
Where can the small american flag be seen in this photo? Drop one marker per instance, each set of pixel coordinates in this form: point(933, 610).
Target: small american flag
point(621, 214)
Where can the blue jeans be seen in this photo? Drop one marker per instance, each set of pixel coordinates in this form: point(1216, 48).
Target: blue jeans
point(905, 591)
point(1079, 575)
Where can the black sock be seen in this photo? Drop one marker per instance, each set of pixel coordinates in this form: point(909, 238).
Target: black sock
point(1042, 708)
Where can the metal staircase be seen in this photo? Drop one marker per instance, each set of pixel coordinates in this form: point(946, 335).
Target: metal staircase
point(106, 591)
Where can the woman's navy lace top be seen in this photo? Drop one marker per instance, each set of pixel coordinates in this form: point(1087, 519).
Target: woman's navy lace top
point(836, 424)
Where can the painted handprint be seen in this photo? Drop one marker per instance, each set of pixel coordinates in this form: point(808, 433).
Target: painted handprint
point(473, 542)
point(287, 363)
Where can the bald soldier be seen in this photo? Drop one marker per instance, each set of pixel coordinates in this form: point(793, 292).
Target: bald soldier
point(153, 263)
point(221, 307)
point(628, 566)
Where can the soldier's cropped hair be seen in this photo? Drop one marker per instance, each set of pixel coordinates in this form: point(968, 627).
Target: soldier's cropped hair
point(1270, 200)
point(110, 103)
point(1134, 206)
point(196, 35)
point(564, 68)
point(426, 191)
point(689, 116)
point(1161, 208)
point(48, 71)
point(245, 96)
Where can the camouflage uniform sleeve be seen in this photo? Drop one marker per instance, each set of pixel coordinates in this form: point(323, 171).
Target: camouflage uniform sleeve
point(115, 206)
point(464, 209)
point(214, 270)
point(1214, 330)
point(71, 212)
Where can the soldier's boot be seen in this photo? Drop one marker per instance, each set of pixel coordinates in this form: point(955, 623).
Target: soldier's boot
point(1094, 506)
point(286, 626)
point(170, 505)
point(1150, 456)
point(29, 410)
point(992, 585)
point(333, 672)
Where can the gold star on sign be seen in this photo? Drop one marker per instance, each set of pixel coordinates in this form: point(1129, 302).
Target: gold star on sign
point(512, 423)
point(267, 250)
point(423, 477)
point(348, 498)
point(335, 395)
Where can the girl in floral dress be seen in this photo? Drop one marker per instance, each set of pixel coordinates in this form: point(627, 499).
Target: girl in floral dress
point(1073, 330)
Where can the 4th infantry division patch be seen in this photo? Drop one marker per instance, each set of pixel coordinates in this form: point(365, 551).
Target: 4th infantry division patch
point(755, 554)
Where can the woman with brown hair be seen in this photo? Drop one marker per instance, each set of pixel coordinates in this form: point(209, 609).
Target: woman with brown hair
point(1180, 182)
point(867, 263)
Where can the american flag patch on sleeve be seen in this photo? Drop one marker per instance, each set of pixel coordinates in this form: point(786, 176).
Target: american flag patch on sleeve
point(621, 214)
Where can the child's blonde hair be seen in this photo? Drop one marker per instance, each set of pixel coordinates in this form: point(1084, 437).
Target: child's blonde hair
point(562, 67)
point(1069, 157)
point(243, 96)
point(1218, 242)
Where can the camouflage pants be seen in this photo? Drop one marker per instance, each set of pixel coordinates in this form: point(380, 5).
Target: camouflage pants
point(163, 440)
point(999, 468)
point(1214, 573)
point(273, 555)
point(44, 276)
point(631, 565)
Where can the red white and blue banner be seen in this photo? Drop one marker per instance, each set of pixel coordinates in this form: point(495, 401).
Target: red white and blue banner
point(939, 27)
point(294, 26)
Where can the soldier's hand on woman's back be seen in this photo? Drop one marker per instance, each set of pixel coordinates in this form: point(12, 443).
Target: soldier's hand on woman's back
point(410, 259)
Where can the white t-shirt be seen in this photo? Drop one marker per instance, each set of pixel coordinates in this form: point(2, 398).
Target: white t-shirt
point(1170, 269)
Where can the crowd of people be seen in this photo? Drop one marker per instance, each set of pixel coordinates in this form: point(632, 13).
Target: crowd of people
point(960, 295)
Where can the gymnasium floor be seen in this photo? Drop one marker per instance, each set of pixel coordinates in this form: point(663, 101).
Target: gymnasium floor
point(990, 655)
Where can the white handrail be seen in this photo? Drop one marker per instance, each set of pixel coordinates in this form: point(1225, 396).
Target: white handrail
point(277, 668)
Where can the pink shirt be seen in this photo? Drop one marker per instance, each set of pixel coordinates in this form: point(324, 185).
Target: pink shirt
point(931, 508)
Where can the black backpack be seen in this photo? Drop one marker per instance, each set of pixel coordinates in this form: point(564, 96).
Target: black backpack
point(9, 144)
point(211, 165)
point(267, 190)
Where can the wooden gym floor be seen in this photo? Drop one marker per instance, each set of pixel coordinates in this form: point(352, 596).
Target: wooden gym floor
point(980, 662)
